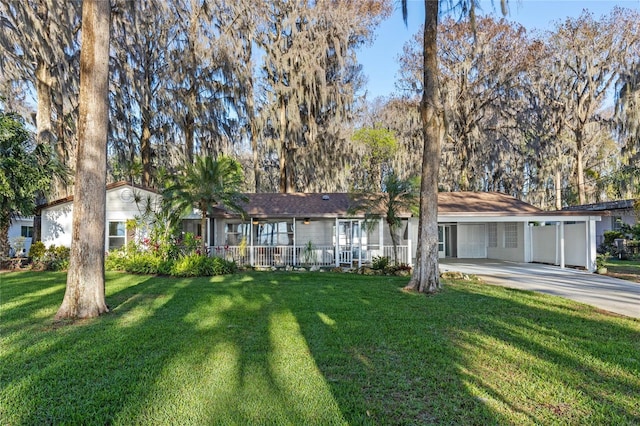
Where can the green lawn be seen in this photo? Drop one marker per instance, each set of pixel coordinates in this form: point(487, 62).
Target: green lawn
point(312, 348)
point(625, 269)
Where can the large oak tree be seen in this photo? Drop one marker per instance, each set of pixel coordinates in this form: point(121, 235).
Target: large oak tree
point(85, 293)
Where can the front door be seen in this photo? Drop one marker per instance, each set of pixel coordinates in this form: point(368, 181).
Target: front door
point(442, 241)
point(349, 240)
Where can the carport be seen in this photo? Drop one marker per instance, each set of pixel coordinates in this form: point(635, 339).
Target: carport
point(489, 225)
point(607, 293)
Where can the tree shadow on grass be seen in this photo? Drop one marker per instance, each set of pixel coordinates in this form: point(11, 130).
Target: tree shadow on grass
point(384, 353)
point(171, 351)
point(578, 364)
point(272, 348)
point(470, 355)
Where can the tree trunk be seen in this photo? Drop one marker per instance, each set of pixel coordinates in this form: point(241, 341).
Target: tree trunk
point(60, 188)
point(190, 130)
point(558, 189)
point(203, 230)
point(394, 241)
point(426, 277)
point(580, 169)
point(44, 127)
point(145, 152)
point(85, 294)
point(283, 147)
point(4, 237)
point(253, 128)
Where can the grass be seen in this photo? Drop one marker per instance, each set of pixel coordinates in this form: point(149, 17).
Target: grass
point(313, 348)
point(625, 269)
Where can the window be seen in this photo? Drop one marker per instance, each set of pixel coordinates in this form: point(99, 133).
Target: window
point(117, 235)
point(511, 235)
point(235, 232)
point(492, 230)
point(26, 231)
point(616, 223)
point(274, 234)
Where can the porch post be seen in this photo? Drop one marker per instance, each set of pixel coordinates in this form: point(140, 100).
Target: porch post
point(526, 244)
point(251, 250)
point(337, 245)
point(381, 232)
point(360, 244)
point(294, 243)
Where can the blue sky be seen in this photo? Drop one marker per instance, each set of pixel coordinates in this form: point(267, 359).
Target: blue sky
point(380, 59)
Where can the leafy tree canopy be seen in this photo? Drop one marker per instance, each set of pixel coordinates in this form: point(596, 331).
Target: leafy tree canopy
point(205, 184)
point(25, 169)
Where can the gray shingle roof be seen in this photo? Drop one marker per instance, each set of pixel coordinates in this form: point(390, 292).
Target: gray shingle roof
point(338, 204)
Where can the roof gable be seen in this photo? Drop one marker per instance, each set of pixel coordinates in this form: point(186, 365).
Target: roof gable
point(109, 187)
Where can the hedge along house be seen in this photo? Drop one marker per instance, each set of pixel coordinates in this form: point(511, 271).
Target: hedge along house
point(318, 229)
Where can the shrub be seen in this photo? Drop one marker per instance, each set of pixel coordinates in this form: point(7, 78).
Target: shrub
point(37, 250)
point(610, 236)
point(136, 261)
point(186, 266)
point(116, 260)
point(195, 265)
point(402, 269)
point(57, 258)
point(143, 263)
point(380, 262)
point(50, 259)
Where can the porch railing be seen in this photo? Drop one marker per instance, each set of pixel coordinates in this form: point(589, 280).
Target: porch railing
point(322, 256)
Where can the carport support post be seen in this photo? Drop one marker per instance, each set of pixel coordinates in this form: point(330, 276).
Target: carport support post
point(561, 244)
point(590, 238)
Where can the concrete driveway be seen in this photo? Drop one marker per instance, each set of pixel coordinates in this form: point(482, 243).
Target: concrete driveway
point(610, 294)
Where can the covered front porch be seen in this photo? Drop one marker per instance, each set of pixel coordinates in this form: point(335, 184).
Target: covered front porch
point(305, 242)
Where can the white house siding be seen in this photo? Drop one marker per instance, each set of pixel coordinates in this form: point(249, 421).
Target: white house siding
point(544, 244)
point(121, 206)
point(15, 232)
point(502, 252)
point(318, 232)
point(609, 223)
point(472, 241)
point(56, 225)
point(574, 248)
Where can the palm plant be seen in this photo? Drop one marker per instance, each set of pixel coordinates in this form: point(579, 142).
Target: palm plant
point(398, 196)
point(204, 184)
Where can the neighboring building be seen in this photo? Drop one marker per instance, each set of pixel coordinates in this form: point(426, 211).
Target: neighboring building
point(613, 213)
point(20, 235)
point(318, 229)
